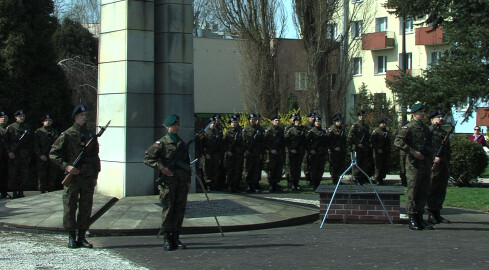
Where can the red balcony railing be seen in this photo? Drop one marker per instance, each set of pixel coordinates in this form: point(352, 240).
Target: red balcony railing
point(378, 41)
point(428, 36)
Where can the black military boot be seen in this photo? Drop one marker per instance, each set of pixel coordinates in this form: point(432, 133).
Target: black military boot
point(72, 239)
point(169, 244)
point(431, 217)
point(82, 241)
point(15, 194)
point(179, 244)
point(21, 194)
point(295, 185)
point(413, 223)
point(439, 218)
point(422, 223)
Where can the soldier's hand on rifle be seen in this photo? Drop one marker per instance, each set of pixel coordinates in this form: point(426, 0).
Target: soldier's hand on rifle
point(166, 172)
point(44, 158)
point(337, 149)
point(418, 155)
point(229, 153)
point(207, 156)
point(11, 155)
point(437, 159)
point(274, 152)
point(72, 170)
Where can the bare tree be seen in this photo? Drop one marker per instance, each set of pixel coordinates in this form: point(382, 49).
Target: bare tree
point(329, 54)
point(258, 23)
point(84, 11)
point(82, 78)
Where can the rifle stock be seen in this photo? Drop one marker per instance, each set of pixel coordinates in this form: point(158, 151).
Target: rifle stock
point(68, 179)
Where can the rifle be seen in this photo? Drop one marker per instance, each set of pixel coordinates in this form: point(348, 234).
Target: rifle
point(177, 157)
point(69, 177)
point(19, 142)
point(255, 138)
point(423, 149)
point(442, 147)
point(237, 138)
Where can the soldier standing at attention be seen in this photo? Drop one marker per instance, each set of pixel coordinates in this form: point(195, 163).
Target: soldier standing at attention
point(337, 148)
point(212, 151)
point(307, 163)
point(293, 116)
point(233, 145)
point(381, 143)
point(439, 178)
point(253, 141)
point(3, 157)
point(19, 146)
point(359, 139)
point(275, 143)
point(46, 169)
point(174, 190)
point(317, 150)
point(79, 194)
point(415, 140)
point(221, 180)
point(295, 139)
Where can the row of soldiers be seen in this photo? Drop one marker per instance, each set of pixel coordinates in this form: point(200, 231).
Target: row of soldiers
point(245, 149)
point(18, 144)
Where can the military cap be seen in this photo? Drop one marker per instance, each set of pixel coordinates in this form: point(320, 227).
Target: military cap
point(217, 116)
point(311, 114)
point(171, 119)
point(235, 116)
point(275, 116)
point(3, 114)
point(252, 115)
point(336, 117)
point(258, 116)
point(293, 115)
point(417, 107)
point(233, 119)
point(317, 118)
point(211, 119)
point(19, 112)
point(78, 109)
point(46, 117)
point(435, 113)
point(382, 120)
point(298, 118)
point(361, 112)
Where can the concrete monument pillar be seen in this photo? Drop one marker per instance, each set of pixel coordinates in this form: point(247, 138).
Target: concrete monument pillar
point(144, 68)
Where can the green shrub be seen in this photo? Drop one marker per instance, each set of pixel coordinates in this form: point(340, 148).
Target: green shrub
point(468, 160)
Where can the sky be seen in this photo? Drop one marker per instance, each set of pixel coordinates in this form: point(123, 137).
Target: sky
point(290, 28)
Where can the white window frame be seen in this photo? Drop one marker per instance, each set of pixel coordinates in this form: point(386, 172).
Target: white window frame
point(381, 24)
point(300, 81)
point(357, 29)
point(332, 29)
point(357, 66)
point(378, 68)
point(434, 57)
point(409, 25)
point(409, 60)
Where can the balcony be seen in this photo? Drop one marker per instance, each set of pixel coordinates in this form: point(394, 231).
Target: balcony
point(390, 75)
point(378, 41)
point(427, 36)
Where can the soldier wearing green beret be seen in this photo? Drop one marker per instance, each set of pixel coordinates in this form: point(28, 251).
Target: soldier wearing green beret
point(174, 190)
point(415, 140)
point(79, 194)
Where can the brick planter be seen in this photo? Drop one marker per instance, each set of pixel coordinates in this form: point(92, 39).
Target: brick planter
point(359, 204)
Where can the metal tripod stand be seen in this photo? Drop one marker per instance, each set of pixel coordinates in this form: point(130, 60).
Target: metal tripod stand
point(353, 163)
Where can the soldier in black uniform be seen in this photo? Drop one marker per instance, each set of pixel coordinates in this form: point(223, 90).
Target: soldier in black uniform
point(295, 139)
point(221, 176)
point(307, 162)
point(212, 151)
point(275, 144)
point(293, 116)
point(337, 148)
point(254, 145)
point(381, 144)
point(47, 171)
point(233, 145)
point(3, 157)
point(317, 151)
point(359, 140)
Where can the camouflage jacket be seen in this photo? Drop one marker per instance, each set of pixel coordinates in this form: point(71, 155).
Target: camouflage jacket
point(295, 139)
point(336, 138)
point(163, 151)
point(381, 140)
point(233, 140)
point(415, 136)
point(316, 139)
point(212, 142)
point(44, 138)
point(69, 145)
point(253, 138)
point(359, 134)
point(438, 135)
point(274, 139)
point(13, 134)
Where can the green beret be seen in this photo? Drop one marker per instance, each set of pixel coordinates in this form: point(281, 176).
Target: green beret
point(171, 119)
point(416, 107)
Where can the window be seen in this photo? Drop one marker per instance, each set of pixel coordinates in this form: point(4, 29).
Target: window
point(435, 56)
point(409, 27)
point(357, 66)
point(356, 31)
point(332, 31)
point(300, 80)
point(381, 65)
point(381, 24)
point(409, 57)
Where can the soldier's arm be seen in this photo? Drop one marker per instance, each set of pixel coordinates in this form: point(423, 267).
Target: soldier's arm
point(401, 143)
point(56, 153)
point(351, 139)
point(152, 156)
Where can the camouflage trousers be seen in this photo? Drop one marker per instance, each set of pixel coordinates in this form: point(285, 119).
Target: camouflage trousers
point(438, 188)
point(316, 169)
point(336, 164)
point(418, 184)
point(295, 162)
point(173, 198)
point(78, 195)
point(18, 172)
point(275, 167)
point(47, 173)
point(234, 170)
point(381, 165)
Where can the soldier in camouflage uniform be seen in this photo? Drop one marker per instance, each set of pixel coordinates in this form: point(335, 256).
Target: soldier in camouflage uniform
point(317, 150)
point(307, 163)
point(337, 148)
point(415, 140)
point(381, 144)
point(359, 140)
point(254, 145)
point(47, 171)
point(295, 139)
point(212, 151)
point(233, 145)
point(275, 144)
point(19, 153)
point(175, 187)
point(3, 157)
point(440, 175)
point(293, 116)
point(221, 171)
point(79, 194)
point(263, 148)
